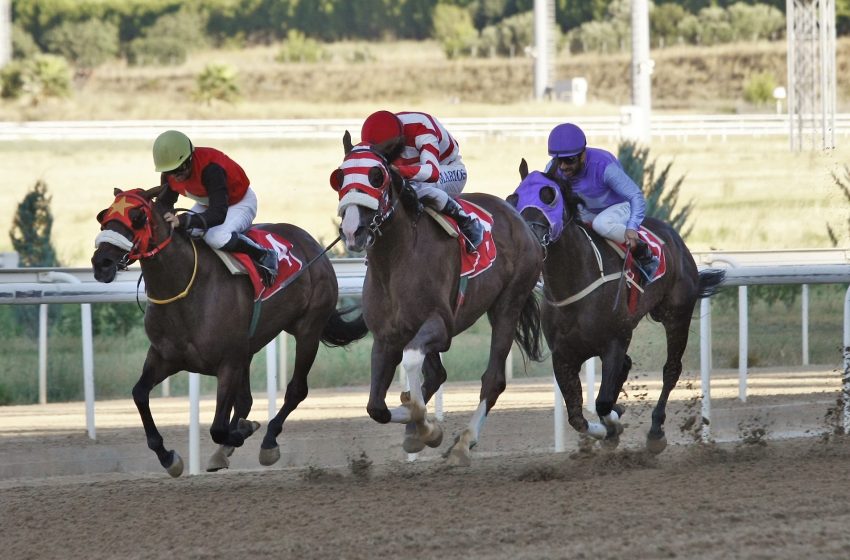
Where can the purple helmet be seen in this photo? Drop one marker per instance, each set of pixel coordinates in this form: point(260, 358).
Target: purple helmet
point(566, 140)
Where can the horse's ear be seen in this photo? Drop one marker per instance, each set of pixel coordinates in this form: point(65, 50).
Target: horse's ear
point(116, 191)
point(523, 169)
point(153, 192)
point(346, 142)
point(513, 199)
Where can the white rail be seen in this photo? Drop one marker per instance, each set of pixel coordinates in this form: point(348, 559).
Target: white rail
point(678, 126)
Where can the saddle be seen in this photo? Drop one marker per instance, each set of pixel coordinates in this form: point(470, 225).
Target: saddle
point(472, 263)
point(240, 263)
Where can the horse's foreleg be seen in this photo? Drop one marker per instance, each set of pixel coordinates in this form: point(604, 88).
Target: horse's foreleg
point(566, 372)
point(154, 372)
point(492, 385)
point(677, 340)
point(613, 376)
point(435, 376)
point(385, 358)
point(306, 348)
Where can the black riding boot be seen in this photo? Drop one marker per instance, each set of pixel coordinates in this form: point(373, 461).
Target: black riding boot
point(647, 262)
point(266, 260)
point(469, 226)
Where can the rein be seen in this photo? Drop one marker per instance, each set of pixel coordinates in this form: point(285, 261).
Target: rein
point(602, 279)
point(188, 287)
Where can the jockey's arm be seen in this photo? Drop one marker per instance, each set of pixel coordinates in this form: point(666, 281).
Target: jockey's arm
point(617, 180)
point(428, 169)
point(214, 180)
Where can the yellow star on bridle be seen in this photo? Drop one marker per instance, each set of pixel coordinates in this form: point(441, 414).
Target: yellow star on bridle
point(120, 207)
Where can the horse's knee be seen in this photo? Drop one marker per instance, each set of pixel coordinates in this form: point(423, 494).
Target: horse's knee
point(140, 392)
point(627, 364)
point(381, 415)
point(296, 393)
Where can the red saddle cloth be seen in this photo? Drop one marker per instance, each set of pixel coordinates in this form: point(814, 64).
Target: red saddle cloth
point(473, 264)
point(288, 264)
point(656, 245)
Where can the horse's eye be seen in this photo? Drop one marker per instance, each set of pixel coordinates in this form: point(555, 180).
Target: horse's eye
point(548, 196)
point(376, 177)
point(138, 218)
point(336, 179)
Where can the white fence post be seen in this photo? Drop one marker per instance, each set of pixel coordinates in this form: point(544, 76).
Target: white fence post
point(805, 324)
point(194, 423)
point(271, 376)
point(560, 418)
point(42, 353)
point(705, 367)
point(743, 342)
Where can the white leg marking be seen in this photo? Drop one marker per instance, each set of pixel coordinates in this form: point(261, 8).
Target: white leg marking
point(411, 361)
point(476, 423)
point(350, 223)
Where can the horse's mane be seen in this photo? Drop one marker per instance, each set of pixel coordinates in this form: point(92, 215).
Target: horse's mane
point(571, 199)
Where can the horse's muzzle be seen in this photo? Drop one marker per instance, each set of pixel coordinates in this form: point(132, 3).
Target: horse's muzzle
point(104, 268)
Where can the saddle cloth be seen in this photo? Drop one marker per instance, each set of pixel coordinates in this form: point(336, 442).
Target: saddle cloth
point(471, 264)
point(240, 263)
point(633, 275)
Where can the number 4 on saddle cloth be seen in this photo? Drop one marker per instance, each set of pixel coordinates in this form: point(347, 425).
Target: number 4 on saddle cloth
point(240, 263)
point(471, 263)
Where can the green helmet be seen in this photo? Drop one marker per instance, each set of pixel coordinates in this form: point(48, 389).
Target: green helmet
point(170, 150)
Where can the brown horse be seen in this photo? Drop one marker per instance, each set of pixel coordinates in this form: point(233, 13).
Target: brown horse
point(412, 288)
point(200, 318)
point(586, 313)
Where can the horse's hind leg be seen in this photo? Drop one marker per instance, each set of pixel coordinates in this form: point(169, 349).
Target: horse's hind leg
point(306, 348)
point(435, 376)
point(677, 339)
point(241, 408)
point(155, 370)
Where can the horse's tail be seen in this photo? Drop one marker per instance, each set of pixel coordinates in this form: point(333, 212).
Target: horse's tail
point(527, 334)
point(339, 332)
point(709, 280)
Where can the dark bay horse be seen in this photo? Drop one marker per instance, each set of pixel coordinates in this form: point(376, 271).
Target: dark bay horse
point(410, 295)
point(584, 315)
point(199, 318)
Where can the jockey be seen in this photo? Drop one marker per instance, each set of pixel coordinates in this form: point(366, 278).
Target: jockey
point(612, 203)
point(225, 205)
point(422, 151)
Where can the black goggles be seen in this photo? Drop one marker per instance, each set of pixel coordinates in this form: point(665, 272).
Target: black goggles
point(570, 160)
point(183, 169)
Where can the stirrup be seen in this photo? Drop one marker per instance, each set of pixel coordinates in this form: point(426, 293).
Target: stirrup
point(267, 270)
point(649, 268)
point(473, 234)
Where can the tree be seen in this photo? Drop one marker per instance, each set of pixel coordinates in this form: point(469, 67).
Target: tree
point(454, 30)
point(32, 227)
point(661, 196)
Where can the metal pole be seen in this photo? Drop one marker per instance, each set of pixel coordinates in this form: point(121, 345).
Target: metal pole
point(743, 342)
point(805, 322)
point(590, 382)
point(542, 33)
point(791, 78)
point(705, 366)
point(5, 32)
point(42, 353)
point(642, 67)
point(560, 416)
point(271, 376)
point(194, 423)
point(845, 393)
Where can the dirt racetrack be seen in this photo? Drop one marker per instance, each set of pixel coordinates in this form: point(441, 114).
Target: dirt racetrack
point(759, 495)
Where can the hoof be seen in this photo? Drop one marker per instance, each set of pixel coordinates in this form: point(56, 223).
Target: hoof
point(269, 457)
point(219, 460)
point(436, 435)
point(247, 427)
point(656, 445)
point(459, 456)
point(412, 442)
point(176, 467)
point(611, 443)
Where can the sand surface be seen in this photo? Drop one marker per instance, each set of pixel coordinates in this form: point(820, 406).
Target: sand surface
point(344, 489)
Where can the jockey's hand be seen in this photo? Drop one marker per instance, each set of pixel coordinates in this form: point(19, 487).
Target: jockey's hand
point(172, 219)
point(632, 238)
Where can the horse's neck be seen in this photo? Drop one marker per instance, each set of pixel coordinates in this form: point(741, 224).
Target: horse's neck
point(396, 248)
point(574, 260)
point(171, 269)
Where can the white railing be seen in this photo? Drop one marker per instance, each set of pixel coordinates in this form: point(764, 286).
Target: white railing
point(611, 127)
point(39, 286)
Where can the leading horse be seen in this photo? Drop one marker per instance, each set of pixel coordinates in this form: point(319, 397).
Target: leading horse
point(413, 289)
point(200, 318)
point(587, 310)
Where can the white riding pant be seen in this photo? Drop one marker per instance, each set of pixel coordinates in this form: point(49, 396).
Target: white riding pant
point(451, 182)
point(611, 222)
point(239, 218)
